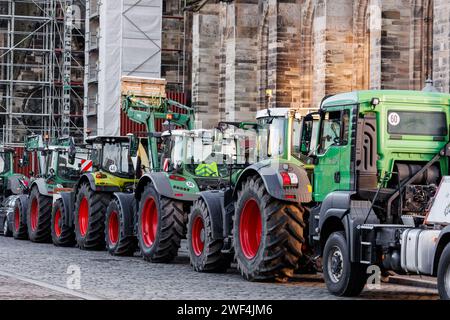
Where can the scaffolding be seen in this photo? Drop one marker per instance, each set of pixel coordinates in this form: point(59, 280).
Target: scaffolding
point(41, 68)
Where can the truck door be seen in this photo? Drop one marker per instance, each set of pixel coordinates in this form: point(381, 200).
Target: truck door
point(332, 170)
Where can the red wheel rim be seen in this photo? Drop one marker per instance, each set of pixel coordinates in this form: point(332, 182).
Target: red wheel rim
point(34, 214)
point(57, 223)
point(250, 229)
point(113, 227)
point(198, 236)
point(149, 223)
point(16, 219)
point(83, 216)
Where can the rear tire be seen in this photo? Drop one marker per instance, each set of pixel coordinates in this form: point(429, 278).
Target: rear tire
point(20, 231)
point(62, 234)
point(205, 253)
point(6, 231)
point(161, 226)
point(443, 275)
point(267, 234)
point(342, 277)
point(117, 242)
point(89, 218)
point(39, 216)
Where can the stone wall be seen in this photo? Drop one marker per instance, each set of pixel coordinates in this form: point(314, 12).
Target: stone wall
point(441, 45)
point(291, 53)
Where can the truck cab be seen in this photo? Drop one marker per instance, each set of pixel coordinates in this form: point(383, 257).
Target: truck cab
point(378, 160)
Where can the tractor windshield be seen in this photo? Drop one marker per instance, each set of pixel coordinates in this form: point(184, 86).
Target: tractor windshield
point(5, 162)
point(68, 171)
point(271, 137)
point(116, 159)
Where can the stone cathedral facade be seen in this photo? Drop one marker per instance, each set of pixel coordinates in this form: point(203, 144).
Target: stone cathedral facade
point(251, 54)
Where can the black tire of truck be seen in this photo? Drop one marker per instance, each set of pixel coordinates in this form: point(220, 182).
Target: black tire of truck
point(443, 274)
point(205, 253)
point(161, 226)
point(118, 243)
point(267, 234)
point(89, 218)
point(63, 235)
point(39, 217)
point(342, 277)
point(20, 231)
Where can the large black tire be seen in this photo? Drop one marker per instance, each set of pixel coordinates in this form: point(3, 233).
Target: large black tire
point(342, 277)
point(20, 231)
point(63, 235)
point(161, 226)
point(205, 253)
point(118, 243)
point(267, 234)
point(443, 275)
point(6, 230)
point(39, 216)
point(89, 218)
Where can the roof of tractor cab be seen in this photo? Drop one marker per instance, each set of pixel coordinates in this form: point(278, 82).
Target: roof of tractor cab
point(183, 132)
point(272, 112)
point(396, 96)
point(101, 139)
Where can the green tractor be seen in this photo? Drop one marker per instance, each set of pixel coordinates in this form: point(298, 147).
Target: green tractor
point(118, 163)
point(59, 168)
point(258, 217)
point(9, 181)
point(187, 162)
point(12, 186)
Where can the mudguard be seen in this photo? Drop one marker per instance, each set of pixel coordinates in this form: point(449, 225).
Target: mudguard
point(68, 203)
point(127, 205)
point(351, 214)
point(86, 177)
point(41, 185)
point(162, 185)
point(215, 203)
point(269, 173)
point(442, 242)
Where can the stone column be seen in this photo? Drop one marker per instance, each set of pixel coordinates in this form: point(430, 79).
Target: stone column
point(441, 45)
point(205, 65)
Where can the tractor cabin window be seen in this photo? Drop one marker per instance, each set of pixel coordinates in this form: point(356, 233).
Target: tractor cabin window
point(334, 130)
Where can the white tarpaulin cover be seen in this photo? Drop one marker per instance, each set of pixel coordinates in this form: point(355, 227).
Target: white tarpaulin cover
point(130, 44)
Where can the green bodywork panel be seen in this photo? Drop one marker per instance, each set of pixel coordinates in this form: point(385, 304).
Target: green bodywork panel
point(410, 147)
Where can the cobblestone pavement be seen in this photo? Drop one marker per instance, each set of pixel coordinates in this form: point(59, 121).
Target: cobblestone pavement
point(42, 271)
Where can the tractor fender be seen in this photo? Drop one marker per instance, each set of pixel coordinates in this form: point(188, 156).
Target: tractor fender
point(270, 174)
point(162, 185)
point(86, 178)
point(442, 242)
point(23, 198)
point(14, 185)
point(127, 205)
point(214, 201)
point(41, 185)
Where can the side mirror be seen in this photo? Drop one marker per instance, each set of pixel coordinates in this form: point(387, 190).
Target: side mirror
point(24, 161)
point(72, 152)
point(134, 145)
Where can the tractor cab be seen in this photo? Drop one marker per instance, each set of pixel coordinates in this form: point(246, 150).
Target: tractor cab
point(6, 161)
point(204, 153)
point(111, 156)
point(59, 162)
point(279, 133)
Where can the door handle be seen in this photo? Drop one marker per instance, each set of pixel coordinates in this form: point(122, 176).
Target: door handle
point(337, 177)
